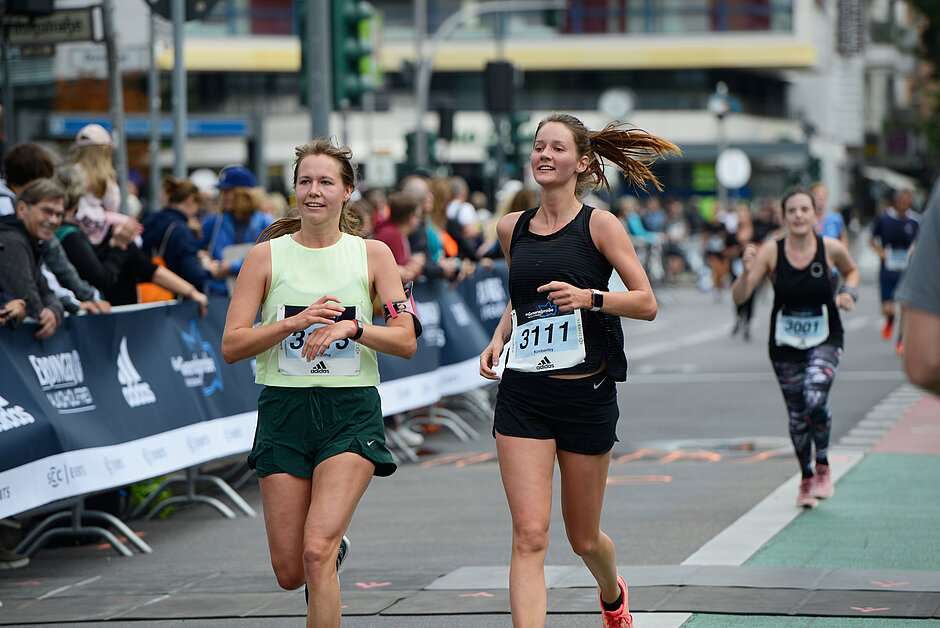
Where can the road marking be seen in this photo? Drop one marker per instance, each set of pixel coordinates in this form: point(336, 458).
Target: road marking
point(755, 376)
point(739, 541)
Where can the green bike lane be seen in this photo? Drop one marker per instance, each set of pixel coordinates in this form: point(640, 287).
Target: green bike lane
point(885, 515)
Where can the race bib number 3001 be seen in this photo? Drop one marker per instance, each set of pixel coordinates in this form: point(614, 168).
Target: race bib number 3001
point(544, 339)
point(802, 328)
point(340, 358)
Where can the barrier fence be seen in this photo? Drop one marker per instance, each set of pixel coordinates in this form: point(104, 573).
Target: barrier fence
point(110, 400)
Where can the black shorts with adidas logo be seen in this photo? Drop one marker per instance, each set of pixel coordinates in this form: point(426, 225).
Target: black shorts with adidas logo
point(579, 414)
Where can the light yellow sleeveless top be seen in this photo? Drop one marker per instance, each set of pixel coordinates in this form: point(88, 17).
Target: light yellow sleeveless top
point(300, 276)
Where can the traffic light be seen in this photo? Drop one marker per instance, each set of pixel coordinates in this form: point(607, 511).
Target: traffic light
point(411, 147)
point(352, 51)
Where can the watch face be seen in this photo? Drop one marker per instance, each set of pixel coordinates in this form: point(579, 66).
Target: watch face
point(597, 299)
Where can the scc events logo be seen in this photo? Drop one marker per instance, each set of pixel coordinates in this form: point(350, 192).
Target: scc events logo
point(200, 369)
point(60, 475)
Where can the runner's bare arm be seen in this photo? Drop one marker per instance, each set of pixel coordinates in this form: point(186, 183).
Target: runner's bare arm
point(397, 337)
point(837, 254)
point(614, 244)
point(489, 359)
point(240, 340)
point(758, 263)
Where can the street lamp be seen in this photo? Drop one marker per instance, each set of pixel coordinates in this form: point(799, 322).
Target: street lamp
point(719, 104)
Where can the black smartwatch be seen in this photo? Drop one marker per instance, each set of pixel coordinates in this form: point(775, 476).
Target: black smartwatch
point(597, 300)
point(358, 333)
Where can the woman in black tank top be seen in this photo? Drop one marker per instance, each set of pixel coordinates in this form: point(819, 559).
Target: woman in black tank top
point(557, 397)
point(805, 330)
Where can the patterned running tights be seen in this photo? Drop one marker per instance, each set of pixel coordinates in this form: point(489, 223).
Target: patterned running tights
point(805, 386)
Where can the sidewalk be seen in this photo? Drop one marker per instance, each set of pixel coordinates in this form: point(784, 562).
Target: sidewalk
point(883, 518)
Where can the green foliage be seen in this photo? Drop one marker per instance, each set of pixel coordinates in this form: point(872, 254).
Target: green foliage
point(142, 490)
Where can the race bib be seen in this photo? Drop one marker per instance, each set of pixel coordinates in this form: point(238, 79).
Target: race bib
point(341, 358)
point(544, 339)
point(802, 328)
point(896, 260)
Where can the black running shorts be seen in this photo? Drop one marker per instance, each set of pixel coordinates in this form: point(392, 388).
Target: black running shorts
point(579, 414)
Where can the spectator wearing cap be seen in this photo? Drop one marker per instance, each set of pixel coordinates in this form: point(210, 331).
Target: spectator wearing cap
point(99, 207)
point(39, 211)
point(229, 234)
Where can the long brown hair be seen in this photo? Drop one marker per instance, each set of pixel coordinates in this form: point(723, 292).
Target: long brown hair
point(631, 149)
point(177, 190)
point(348, 221)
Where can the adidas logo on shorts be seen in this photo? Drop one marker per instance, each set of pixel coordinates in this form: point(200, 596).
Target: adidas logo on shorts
point(544, 363)
point(319, 368)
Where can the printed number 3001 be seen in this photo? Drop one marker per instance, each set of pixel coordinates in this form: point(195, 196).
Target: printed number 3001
point(801, 328)
point(536, 331)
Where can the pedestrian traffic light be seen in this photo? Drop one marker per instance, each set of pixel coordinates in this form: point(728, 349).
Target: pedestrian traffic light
point(352, 50)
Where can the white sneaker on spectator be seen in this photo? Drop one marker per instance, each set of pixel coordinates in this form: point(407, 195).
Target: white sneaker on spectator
point(9, 560)
point(411, 437)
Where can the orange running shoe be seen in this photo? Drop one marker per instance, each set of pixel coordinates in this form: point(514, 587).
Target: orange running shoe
point(899, 348)
point(620, 618)
point(887, 329)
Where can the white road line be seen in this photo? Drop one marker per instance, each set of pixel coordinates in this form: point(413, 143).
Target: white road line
point(739, 541)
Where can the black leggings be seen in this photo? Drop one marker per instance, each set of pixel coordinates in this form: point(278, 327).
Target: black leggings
point(805, 386)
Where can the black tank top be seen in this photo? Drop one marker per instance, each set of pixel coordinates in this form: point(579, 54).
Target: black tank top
point(803, 289)
point(568, 255)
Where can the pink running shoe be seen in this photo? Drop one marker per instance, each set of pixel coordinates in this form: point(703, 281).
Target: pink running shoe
point(620, 618)
point(805, 499)
point(822, 483)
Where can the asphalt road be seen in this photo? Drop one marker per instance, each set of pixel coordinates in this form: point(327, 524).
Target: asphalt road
point(702, 439)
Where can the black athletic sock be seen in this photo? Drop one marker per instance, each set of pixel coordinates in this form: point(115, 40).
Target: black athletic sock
point(612, 606)
point(824, 461)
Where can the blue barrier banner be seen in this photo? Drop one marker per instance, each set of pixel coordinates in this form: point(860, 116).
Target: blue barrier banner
point(110, 400)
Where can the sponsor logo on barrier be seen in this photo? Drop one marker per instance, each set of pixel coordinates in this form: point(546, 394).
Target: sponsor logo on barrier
point(491, 298)
point(61, 475)
point(200, 369)
point(61, 377)
point(154, 455)
point(233, 434)
point(431, 322)
point(195, 443)
point(136, 391)
point(13, 416)
point(461, 314)
point(114, 465)
point(5, 493)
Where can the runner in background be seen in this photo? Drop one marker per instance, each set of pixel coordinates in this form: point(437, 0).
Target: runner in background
point(557, 398)
point(806, 335)
point(320, 436)
point(892, 236)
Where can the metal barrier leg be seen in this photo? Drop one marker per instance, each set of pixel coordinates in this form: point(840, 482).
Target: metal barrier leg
point(401, 445)
point(237, 499)
point(191, 496)
point(122, 527)
point(48, 535)
point(45, 531)
point(145, 505)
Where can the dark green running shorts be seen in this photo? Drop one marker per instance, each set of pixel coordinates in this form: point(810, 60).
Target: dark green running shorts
point(298, 428)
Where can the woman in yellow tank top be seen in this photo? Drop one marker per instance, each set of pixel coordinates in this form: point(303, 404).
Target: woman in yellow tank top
point(320, 436)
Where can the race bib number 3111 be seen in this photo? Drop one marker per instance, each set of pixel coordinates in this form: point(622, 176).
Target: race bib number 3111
point(544, 339)
point(340, 358)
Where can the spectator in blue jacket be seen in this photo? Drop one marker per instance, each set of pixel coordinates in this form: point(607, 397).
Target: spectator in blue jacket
point(229, 234)
point(168, 235)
